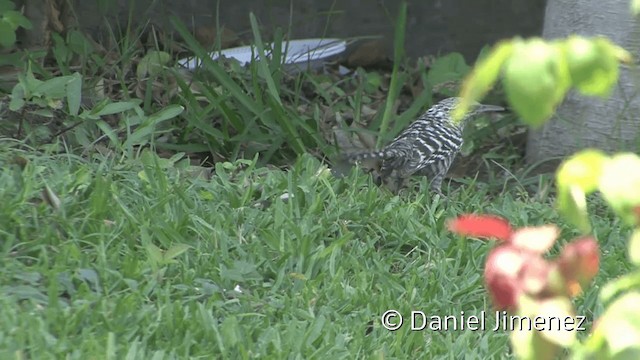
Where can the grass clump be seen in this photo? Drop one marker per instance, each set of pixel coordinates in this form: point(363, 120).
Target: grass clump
point(140, 259)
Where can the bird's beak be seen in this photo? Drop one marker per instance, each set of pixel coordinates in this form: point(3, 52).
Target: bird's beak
point(488, 108)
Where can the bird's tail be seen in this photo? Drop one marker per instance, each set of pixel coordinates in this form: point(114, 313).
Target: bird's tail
point(366, 155)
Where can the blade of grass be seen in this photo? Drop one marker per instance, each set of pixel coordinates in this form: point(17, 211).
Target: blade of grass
point(278, 54)
point(145, 131)
point(424, 99)
point(218, 72)
point(262, 60)
point(198, 114)
point(398, 55)
point(290, 129)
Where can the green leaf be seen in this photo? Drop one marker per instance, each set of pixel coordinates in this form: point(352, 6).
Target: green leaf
point(60, 50)
point(572, 204)
point(450, 67)
point(577, 177)
point(43, 112)
point(29, 80)
point(16, 19)
point(635, 7)
point(74, 94)
point(592, 64)
point(543, 343)
point(559, 308)
point(373, 81)
point(89, 275)
point(12, 59)
point(152, 63)
point(175, 251)
point(7, 34)
point(583, 170)
point(230, 330)
point(146, 129)
point(54, 88)
point(531, 345)
point(482, 78)
point(167, 113)
point(155, 254)
point(634, 247)
point(486, 50)
point(536, 78)
point(622, 284)
point(620, 186)
point(113, 108)
point(316, 330)
point(17, 97)
point(78, 43)
point(6, 5)
point(620, 327)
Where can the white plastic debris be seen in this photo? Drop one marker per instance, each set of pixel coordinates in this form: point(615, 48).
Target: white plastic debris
point(301, 51)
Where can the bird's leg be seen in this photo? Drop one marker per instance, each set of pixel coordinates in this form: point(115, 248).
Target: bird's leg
point(436, 186)
point(395, 183)
point(436, 183)
point(441, 195)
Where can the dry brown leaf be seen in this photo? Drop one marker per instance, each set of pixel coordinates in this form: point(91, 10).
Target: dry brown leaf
point(51, 198)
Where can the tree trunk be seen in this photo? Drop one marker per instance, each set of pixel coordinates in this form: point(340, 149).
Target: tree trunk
point(609, 124)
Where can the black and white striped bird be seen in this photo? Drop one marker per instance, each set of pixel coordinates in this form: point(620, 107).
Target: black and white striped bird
point(426, 148)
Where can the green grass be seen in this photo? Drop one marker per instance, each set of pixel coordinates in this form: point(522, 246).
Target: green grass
point(315, 269)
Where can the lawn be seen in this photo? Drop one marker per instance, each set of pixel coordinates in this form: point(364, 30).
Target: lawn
point(279, 264)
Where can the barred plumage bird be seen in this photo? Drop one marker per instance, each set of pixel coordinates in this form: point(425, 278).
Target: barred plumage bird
point(426, 148)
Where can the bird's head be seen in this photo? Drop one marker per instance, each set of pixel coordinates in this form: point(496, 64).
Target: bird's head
point(443, 109)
